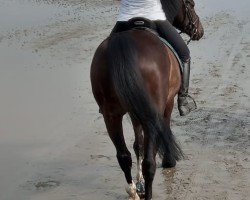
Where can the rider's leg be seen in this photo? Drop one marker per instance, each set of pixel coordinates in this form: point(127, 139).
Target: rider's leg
point(186, 103)
point(169, 33)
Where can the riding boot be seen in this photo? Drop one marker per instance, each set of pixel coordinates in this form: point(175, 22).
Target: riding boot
point(186, 103)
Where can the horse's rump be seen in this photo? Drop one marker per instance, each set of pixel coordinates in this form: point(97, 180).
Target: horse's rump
point(155, 62)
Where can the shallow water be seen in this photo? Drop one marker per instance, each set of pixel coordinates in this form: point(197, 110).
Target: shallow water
point(54, 143)
point(25, 13)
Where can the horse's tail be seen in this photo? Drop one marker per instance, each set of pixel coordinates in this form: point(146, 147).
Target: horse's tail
point(128, 84)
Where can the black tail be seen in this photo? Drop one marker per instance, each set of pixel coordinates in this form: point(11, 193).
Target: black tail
point(128, 83)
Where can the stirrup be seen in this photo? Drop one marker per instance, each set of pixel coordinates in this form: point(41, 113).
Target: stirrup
point(186, 104)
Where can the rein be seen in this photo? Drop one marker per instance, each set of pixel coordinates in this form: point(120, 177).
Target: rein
point(191, 22)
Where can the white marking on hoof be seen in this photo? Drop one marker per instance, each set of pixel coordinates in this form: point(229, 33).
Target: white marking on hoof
point(131, 190)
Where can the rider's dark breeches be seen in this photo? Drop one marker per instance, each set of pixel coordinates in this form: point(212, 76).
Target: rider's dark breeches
point(166, 31)
point(169, 33)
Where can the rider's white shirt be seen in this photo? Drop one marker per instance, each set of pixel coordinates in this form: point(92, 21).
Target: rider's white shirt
point(150, 9)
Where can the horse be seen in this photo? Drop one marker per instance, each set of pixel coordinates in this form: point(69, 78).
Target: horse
point(134, 72)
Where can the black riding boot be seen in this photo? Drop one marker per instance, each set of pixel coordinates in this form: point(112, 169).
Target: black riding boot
point(186, 103)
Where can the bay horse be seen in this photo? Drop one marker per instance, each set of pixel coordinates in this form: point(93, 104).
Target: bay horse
point(134, 72)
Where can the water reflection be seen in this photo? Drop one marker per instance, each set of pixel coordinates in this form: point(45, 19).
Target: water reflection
point(26, 13)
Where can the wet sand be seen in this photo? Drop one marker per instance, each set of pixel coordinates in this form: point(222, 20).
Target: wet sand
point(54, 143)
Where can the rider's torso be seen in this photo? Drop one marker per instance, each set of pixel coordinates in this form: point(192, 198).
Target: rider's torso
point(150, 9)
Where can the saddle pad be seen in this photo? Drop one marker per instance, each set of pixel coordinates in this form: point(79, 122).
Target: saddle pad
point(175, 53)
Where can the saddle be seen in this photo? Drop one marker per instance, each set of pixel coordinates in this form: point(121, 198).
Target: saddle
point(148, 25)
point(143, 24)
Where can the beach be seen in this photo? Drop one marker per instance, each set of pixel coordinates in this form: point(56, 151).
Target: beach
point(53, 141)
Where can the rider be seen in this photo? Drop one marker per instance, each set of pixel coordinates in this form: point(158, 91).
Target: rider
point(152, 10)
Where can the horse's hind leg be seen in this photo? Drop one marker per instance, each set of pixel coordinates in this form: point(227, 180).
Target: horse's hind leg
point(149, 166)
point(114, 126)
point(138, 148)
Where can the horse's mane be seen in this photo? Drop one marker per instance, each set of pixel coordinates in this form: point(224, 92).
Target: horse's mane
point(171, 8)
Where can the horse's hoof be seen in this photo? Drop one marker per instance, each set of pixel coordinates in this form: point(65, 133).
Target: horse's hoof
point(131, 190)
point(140, 189)
point(136, 197)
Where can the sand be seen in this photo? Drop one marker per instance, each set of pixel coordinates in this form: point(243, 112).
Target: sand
point(53, 142)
